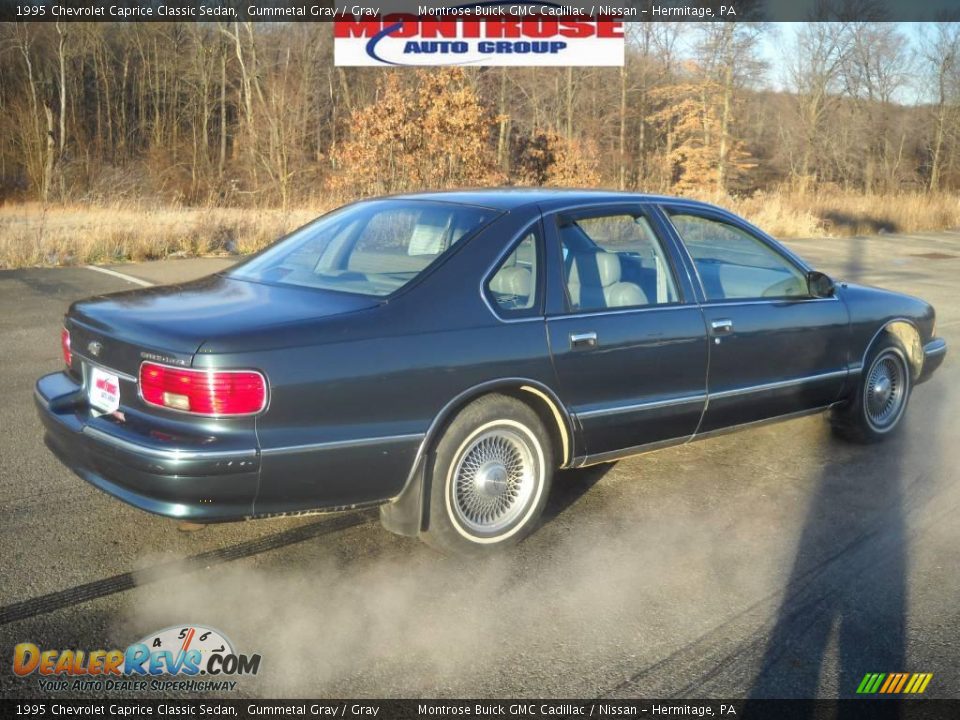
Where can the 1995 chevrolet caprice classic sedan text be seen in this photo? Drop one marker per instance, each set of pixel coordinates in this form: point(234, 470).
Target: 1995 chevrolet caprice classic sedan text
point(441, 355)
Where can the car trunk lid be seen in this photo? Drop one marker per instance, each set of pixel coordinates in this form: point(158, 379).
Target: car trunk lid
point(168, 324)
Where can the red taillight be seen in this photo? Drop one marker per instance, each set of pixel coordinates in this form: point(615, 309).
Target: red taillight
point(204, 392)
point(65, 346)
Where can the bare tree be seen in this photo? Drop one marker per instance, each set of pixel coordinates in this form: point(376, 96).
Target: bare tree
point(940, 51)
point(815, 74)
point(877, 66)
point(729, 62)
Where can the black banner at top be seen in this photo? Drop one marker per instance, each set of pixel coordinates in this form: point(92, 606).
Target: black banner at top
point(330, 10)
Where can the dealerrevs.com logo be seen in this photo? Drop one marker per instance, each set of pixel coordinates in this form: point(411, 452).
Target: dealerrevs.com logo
point(400, 39)
point(181, 651)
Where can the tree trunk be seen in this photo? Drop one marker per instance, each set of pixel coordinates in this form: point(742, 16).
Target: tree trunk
point(50, 151)
point(623, 128)
point(504, 122)
point(725, 120)
point(223, 114)
point(34, 146)
point(122, 126)
point(937, 159)
point(63, 93)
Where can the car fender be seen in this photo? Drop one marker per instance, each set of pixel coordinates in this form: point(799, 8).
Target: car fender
point(908, 334)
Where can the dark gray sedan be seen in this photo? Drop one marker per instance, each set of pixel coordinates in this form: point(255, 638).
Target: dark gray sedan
point(442, 355)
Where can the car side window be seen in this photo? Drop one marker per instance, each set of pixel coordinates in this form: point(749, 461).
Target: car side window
point(614, 261)
point(735, 265)
point(513, 287)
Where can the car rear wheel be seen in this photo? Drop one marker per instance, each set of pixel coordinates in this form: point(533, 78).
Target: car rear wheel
point(876, 410)
point(489, 477)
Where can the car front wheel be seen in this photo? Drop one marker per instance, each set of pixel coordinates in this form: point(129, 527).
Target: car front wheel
point(878, 406)
point(490, 476)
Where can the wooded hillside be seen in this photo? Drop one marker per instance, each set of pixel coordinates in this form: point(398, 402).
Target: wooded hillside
point(257, 115)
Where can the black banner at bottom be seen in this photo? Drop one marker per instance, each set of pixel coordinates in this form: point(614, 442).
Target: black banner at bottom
point(921, 709)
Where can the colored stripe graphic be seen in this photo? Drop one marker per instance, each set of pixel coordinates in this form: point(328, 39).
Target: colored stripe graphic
point(894, 683)
point(891, 680)
point(918, 683)
point(903, 680)
point(870, 683)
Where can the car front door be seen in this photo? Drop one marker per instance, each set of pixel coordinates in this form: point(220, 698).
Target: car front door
point(774, 349)
point(627, 336)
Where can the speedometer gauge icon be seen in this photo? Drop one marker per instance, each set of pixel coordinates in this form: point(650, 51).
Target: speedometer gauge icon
point(180, 639)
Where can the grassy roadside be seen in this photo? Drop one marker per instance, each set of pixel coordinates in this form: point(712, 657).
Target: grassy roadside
point(839, 214)
point(32, 235)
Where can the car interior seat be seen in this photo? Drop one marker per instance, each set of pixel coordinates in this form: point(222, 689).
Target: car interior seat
point(513, 280)
point(594, 282)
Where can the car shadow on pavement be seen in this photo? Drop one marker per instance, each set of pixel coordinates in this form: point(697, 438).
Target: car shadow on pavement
point(853, 268)
point(854, 588)
point(571, 485)
point(847, 585)
point(844, 608)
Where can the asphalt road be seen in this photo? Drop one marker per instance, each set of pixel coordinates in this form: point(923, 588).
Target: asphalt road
point(776, 562)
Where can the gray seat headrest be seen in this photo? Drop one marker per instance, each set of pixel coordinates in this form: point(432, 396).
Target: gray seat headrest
point(594, 283)
point(512, 280)
point(624, 294)
point(596, 269)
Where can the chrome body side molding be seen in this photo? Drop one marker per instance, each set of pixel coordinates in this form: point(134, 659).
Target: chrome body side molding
point(341, 444)
point(702, 397)
point(651, 447)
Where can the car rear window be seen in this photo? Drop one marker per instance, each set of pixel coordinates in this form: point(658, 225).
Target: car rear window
point(370, 248)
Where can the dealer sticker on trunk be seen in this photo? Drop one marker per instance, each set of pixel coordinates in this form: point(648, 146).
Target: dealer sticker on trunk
point(104, 391)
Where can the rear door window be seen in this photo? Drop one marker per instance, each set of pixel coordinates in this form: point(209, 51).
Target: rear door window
point(614, 260)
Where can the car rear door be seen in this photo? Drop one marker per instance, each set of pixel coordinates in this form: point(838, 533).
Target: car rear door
point(626, 334)
point(774, 349)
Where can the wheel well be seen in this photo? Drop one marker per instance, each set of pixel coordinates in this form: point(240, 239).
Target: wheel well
point(409, 513)
point(552, 418)
point(908, 336)
point(540, 400)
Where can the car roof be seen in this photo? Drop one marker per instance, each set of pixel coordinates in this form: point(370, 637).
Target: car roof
point(511, 198)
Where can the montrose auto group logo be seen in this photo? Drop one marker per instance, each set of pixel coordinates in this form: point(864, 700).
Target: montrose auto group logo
point(191, 658)
point(482, 34)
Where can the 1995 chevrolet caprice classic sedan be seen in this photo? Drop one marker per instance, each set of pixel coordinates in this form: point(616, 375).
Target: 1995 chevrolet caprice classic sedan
point(441, 355)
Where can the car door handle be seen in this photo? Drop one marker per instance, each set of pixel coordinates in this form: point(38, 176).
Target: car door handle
point(722, 327)
point(579, 341)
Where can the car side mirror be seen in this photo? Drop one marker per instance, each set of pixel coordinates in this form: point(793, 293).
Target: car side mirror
point(820, 285)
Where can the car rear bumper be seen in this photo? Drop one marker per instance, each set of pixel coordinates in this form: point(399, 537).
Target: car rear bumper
point(196, 478)
point(933, 354)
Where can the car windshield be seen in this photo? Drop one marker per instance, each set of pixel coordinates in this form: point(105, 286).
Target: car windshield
point(370, 248)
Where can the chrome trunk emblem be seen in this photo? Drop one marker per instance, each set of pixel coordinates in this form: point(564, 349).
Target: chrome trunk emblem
point(95, 348)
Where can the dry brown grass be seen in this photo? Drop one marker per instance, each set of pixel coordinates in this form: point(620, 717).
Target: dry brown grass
point(839, 214)
point(32, 235)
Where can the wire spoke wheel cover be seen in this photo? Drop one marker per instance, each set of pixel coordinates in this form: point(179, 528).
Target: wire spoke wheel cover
point(885, 391)
point(495, 479)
